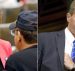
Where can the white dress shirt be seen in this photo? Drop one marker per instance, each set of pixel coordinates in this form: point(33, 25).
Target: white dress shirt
point(69, 38)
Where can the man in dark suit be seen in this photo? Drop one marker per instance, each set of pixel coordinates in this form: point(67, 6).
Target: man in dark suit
point(55, 48)
point(25, 38)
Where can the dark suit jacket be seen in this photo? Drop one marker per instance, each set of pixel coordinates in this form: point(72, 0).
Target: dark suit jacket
point(25, 60)
point(51, 51)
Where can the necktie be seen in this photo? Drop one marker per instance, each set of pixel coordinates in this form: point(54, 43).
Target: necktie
point(73, 52)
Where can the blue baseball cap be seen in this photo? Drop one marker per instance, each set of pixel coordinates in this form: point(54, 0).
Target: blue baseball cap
point(26, 20)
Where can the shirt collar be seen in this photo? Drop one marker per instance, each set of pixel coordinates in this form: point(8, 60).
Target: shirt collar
point(69, 36)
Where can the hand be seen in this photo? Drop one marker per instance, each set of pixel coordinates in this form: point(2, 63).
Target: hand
point(68, 61)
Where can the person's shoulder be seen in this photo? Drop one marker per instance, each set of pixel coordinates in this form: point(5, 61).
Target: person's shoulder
point(6, 45)
point(46, 33)
point(15, 55)
point(49, 34)
point(23, 53)
point(4, 41)
point(14, 58)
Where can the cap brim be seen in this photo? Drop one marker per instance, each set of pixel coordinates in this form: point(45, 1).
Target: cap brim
point(12, 26)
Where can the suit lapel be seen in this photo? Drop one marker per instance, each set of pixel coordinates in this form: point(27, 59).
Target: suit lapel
point(61, 45)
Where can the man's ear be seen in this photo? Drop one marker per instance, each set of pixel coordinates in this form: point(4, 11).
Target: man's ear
point(68, 17)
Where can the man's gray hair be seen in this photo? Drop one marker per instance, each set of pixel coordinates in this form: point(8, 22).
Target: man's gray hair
point(72, 7)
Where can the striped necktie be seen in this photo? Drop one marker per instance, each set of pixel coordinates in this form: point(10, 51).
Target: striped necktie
point(73, 52)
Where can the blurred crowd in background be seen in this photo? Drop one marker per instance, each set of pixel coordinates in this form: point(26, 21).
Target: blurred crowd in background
point(9, 9)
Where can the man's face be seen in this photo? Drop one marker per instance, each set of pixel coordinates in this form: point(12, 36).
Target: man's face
point(71, 22)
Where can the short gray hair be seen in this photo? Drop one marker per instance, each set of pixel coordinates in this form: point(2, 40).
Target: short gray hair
point(72, 7)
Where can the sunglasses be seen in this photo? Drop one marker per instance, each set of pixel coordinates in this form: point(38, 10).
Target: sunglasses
point(13, 32)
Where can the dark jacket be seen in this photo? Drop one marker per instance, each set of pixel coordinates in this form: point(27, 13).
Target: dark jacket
point(51, 51)
point(25, 60)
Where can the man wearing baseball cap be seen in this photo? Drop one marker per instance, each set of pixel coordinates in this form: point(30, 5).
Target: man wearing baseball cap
point(25, 38)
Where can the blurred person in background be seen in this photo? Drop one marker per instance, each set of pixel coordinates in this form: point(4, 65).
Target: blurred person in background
point(25, 38)
point(8, 4)
point(5, 52)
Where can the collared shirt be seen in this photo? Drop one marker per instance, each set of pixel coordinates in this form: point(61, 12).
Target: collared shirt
point(69, 38)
